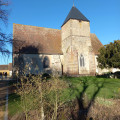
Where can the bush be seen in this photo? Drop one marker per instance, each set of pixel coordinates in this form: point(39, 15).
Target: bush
point(41, 95)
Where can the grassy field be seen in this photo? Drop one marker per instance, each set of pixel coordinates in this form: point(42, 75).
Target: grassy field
point(91, 86)
point(13, 104)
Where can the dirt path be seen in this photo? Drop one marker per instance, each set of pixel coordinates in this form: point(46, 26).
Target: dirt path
point(3, 92)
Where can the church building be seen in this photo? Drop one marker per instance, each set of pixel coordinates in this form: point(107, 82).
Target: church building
point(69, 51)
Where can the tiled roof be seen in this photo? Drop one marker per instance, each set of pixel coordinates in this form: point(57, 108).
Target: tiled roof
point(3, 67)
point(96, 44)
point(75, 14)
point(31, 39)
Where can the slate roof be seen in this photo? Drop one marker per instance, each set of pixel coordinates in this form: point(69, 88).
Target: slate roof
point(38, 40)
point(75, 14)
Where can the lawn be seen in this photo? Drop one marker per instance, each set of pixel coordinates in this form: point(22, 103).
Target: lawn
point(13, 104)
point(91, 86)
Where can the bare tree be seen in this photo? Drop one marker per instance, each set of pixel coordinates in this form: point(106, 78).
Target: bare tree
point(4, 38)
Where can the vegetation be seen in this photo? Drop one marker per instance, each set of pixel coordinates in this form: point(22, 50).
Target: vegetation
point(36, 93)
point(109, 87)
point(60, 95)
point(109, 56)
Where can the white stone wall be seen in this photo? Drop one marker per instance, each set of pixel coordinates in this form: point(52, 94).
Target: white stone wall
point(102, 71)
point(10, 73)
point(115, 70)
point(99, 70)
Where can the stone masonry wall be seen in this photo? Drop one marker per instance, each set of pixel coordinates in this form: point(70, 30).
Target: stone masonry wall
point(33, 63)
point(76, 34)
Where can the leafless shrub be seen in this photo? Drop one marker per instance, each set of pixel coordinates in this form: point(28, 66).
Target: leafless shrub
point(41, 95)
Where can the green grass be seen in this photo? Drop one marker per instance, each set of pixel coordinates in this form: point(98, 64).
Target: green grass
point(14, 104)
point(91, 86)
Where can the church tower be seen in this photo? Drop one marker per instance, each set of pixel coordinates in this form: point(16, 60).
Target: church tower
point(79, 58)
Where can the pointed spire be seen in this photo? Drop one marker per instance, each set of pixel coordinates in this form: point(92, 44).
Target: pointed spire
point(73, 3)
point(75, 14)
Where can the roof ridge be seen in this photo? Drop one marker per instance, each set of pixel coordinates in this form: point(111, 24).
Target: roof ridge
point(36, 26)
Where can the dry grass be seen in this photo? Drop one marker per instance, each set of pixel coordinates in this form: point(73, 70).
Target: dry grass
point(98, 111)
point(1, 114)
point(102, 109)
point(109, 109)
point(3, 92)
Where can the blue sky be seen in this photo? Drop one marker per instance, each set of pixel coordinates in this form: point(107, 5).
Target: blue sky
point(104, 16)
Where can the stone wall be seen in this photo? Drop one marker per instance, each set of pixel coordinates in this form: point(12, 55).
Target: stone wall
point(33, 63)
point(76, 35)
point(105, 70)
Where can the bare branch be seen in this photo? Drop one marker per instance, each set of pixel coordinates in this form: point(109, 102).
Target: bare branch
point(4, 39)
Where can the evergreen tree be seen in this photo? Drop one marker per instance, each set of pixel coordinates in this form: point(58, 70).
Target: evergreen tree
point(109, 56)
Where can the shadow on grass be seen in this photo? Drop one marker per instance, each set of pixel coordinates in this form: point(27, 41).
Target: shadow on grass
point(82, 103)
point(12, 82)
point(13, 97)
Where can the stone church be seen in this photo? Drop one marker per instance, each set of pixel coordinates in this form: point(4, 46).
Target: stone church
point(71, 50)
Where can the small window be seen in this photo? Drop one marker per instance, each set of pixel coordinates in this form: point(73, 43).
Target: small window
point(82, 62)
point(46, 62)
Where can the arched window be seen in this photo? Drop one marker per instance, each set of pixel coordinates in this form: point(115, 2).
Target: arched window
point(82, 62)
point(46, 62)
